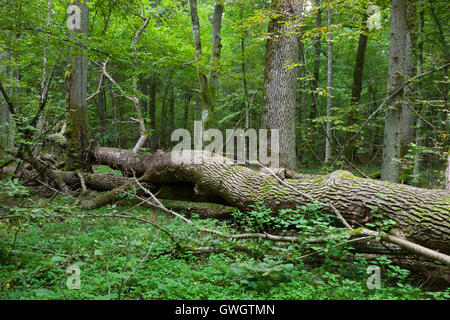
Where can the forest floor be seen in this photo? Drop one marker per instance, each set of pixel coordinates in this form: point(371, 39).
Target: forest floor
point(123, 258)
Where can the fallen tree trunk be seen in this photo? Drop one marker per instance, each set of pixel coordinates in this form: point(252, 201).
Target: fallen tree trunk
point(204, 209)
point(97, 182)
point(421, 216)
point(126, 161)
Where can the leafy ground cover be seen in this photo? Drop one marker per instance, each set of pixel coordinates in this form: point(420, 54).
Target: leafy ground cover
point(125, 258)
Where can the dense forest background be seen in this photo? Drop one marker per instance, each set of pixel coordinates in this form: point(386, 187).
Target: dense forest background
point(355, 85)
point(164, 66)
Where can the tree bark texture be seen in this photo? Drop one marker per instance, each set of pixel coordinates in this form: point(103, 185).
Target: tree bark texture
point(420, 40)
point(408, 116)
point(392, 128)
point(216, 48)
point(77, 132)
point(317, 52)
point(207, 84)
point(421, 216)
point(280, 81)
point(330, 78)
point(350, 153)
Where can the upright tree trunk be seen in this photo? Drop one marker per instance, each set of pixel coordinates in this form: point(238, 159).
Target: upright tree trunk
point(41, 120)
point(152, 108)
point(350, 153)
point(143, 134)
point(447, 180)
point(420, 40)
point(196, 30)
point(408, 118)
point(207, 84)
point(244, 71)
point(171, 113)
point(330, 78)
point(392, 128)
point(280, 81)
point(164, 112)
point(5, 123)
point(77, 132)
point(5, 117)
point(304, 109)
point(100, 101)
point(317, 53)
point(216, 47)
point(446, 50)
point(187, 103)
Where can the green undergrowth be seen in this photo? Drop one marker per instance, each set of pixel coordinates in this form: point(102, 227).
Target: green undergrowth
point(100, 169)
point(122, 258)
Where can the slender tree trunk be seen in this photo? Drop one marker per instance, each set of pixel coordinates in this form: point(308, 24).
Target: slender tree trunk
point(317, 53)
point(143, 134)
point(171, 113)
point(301, 115)
point(152, 108)
point(330, 76)
point(306, 107)
point(408, 118)
point(5, 118)
point(392, 128)
point(420, 40)
point(144, 88)
point(446, 50)
point(447, 180)
point(164, 112)
point(196, 30)
point(100, 101)
point(374, 139)
point(350, 153)
point(244, 71)
point(216, 47)
point(298, 9)
point(280, 81)
point(208, 85)
point(77, 132)
point(41, 120)
point(45, 58)
point(187, 104)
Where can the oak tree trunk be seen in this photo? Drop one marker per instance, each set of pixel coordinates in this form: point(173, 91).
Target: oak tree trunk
point(280, 80)
point(419, 215)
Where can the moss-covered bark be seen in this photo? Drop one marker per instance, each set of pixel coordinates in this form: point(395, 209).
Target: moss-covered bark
point(420, 215)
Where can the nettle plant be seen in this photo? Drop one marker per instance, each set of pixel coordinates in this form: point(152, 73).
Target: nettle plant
point(315, 228)
point(12, 188)
point(307, 219)
point(262, 275)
